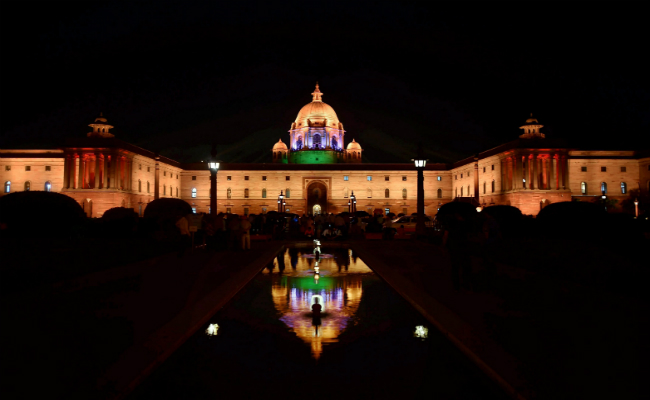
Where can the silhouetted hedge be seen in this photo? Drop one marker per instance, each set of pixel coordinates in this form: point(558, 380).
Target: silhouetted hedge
point(161, 215)
point(508, 218)
point(576, 219)
point(120, 220)
point(40, 214)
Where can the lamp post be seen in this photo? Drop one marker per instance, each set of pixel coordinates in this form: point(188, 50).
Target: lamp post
point(214, 168)
point(353, 202)
point(281, 202)
point(636, 208)
point(420, 164)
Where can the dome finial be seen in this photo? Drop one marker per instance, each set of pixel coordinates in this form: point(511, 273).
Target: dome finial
point(317, 95)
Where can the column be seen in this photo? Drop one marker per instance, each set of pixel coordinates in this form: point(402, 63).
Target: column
point(519, 184)
point(104, 171)
point(80, 182)
point(98, 171)
point(565, 172)
point(533, 180)
point(156, 184)
point(66, 172)
point(511, 161)
point(75, 172)
point(116, 173)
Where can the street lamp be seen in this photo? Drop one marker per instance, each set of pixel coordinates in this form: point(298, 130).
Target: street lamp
point(420, 164)
point(353, 202)
point(214, 168)
point(281, 202)
point(636, 208)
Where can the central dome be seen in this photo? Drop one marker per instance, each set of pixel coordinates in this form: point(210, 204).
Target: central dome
point(317, 113)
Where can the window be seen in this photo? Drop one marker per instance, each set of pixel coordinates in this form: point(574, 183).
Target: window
point(140, 167)
point(456, 193)
point(623, 169)
point(484, 187)
point(623, 187)
point(28, 168)
point(139, 185)
point(246, 211)
point(246, 177)
point(493, 185)
point(48, 186)
point(468, 173)
point(246, 193)
point(49, 168)
point(456, 177)
point(228, 210)
point(439, 178)
point(461, 191)
point(264, 178)
point(194, 177)
point(229, 193)
point(468, 190)
point(583, 169)
point(176, 176)
point(386, 211)
point(403, 178)
point(229, 178)
point(439, 193)
point(369, 178)
point(603, 169)
point(164, 190)
point(28, 186)
point(387, 178)
point(461, 176)
point(492, 167)
point(345, 192)
point(164, 173)
point(288, 178)
point(264, 193)
point(8, 187)
point(287, 209)
point(369, 193)
point(148, 169)
point(483, 169)
point(287, 193)
point(194, 210)
point(193, 192)
point(583, 187)
point(7, 167)
point(387, 193)
point(263, 210)
point(404, 194)
point(346, 178)
point(603, 187)
point(148, 191)
point(176, 192)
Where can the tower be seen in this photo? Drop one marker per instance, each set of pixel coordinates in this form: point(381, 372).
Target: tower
point(531, 129)
point(100, 128)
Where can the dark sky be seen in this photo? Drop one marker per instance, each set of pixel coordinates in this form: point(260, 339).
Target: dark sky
point(175, 77)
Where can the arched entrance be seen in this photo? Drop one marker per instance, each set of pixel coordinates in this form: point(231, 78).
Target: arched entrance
point(317, 197)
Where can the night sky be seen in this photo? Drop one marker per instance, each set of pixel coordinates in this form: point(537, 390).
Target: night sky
point(175, 77)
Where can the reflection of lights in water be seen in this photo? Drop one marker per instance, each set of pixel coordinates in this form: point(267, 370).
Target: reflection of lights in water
point(316, 268)
point(212, 330)
point(316, 276)
point(421, 332)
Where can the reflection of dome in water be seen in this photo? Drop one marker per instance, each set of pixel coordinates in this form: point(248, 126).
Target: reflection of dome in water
point(340, 295)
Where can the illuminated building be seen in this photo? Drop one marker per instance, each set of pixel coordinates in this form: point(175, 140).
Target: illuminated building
point(317, 172)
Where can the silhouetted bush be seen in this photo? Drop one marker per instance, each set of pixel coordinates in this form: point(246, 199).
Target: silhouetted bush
point(161, 215)
point(575, 220)
point(120, 220)
point(454, 210)
point(40, 214)
point(507, 217)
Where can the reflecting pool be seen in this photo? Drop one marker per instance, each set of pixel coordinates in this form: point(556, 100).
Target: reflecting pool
point(366, 342)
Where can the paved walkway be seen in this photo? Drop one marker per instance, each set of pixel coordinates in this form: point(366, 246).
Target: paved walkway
point(96, 336)
point(541, 338)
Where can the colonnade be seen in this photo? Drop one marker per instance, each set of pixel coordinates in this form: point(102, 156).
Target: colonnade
point(98, 171)
point(534, 172)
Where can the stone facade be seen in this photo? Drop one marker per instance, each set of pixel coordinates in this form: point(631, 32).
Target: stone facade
point(101, 172)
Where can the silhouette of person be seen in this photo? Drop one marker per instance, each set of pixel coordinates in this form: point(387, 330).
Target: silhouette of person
point(316, 309)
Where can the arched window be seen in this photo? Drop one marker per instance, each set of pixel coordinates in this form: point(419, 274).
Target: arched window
point(264, 193)
point(461, 191)
point(8, 187)
point(246, 193)
point(287, 193)
point(493, 185)
point(623, 187)
point(316, 141)
point(484, 187)
point(404, 193)
point(468, 192)
point(148, 187)
point(440, 193)
point(456, 193)
point(229, 193)
point(176, 192)
point(28, 186)
point(193, 192)
point(139, 185)
point(48, 186)
point(603, 187)
point(387, 193)
point(164, 190)
point(345, 193)
point(335, 142)
point(299, 143)
point(369, 193)
point(583, 187)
